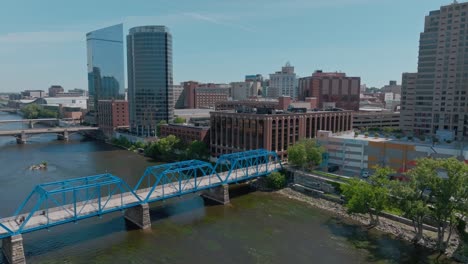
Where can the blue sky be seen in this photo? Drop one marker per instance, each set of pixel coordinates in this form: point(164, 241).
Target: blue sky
point(43, 42)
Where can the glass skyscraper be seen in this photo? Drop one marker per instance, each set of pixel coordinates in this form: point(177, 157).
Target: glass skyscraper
point(105, 65)
point(149, 66)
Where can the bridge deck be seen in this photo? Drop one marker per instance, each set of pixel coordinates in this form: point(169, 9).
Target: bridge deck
point(67, 213)
point(53, 130)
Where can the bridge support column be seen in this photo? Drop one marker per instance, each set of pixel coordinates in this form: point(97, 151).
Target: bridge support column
point(31, 124)
point(21, 138)
point(218, 194)
point(139, 216)
point(63, 136)
point(13, 249)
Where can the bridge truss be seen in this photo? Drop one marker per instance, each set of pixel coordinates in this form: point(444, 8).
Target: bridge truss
point(61, 202)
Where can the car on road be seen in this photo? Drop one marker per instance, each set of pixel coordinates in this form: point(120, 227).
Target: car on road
point(365, 174)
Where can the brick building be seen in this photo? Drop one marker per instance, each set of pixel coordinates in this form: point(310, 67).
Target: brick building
point(331, 87)
point(376, 119)
point(112, 114)
point(198, 95)
point(233, 132)
point(186, 133)
point(282, 103)
point(54, 90)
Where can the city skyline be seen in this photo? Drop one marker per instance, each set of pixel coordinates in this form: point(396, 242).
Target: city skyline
point(50, 49)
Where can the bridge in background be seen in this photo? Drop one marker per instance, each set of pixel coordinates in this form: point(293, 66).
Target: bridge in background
point(63, 128)
point(61, 202)
point(62, 133)
point(9, 110)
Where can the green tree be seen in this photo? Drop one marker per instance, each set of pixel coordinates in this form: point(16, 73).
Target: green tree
point(198, 150)
point(306, 152)
point(297, 155)
point(414, 196)
point(179, 120)
point(368, 197)
point(276, 180)
point(450, 193)
point(313, 151)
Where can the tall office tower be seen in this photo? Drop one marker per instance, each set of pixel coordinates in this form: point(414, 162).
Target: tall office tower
point(149, 66)
point(283, 83)
point(434, 100)
point(105, 65)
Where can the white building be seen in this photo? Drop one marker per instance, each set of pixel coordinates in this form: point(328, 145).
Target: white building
point(284, 83)
point(245, 90)
point(65, 101)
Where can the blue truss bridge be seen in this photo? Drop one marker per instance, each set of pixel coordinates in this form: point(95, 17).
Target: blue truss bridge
point(61, 202)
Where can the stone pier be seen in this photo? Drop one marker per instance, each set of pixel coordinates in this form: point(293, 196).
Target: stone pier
point(63, 136)
point(21, 138)
point(139, 216)
point(13, 249)
point(218, 194)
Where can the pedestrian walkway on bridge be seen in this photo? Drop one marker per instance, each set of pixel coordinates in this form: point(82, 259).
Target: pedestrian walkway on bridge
point(61, 202)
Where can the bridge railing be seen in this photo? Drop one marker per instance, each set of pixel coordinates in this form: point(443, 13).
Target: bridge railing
point(243, 165)
point(60, 202)
point(65, 201)
point(173, 179)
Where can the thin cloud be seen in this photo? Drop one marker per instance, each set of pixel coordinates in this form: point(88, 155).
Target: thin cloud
point(41, 37)
point(217, 21)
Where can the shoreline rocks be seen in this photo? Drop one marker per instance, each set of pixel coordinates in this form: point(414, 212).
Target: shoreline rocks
point(399, 230)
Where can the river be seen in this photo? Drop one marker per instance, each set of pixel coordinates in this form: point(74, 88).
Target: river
point(255, 228)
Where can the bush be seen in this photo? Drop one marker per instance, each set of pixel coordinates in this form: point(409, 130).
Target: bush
point(276, 180)
point(366, 134)
point(398, 136)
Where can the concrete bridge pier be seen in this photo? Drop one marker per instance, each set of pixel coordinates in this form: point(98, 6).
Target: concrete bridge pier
point(63, 136)
point(13, 249)
point(21, 138)
point(31, 124)
point(219, 194)
point(139, 216)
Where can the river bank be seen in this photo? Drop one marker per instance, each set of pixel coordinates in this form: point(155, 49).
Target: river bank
point(399, 230)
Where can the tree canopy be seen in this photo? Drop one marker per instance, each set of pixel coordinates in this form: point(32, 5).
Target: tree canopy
point(306, 152)
point(368, 197)
point(34, 111)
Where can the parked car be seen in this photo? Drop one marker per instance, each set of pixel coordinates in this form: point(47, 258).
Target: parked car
point(365, 174)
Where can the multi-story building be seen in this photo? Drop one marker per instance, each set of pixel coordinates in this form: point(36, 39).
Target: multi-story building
point(283, 83)
point(198, 95)
point(408, 96)
point(354, 154)
point(186, 133)
point(149, 65)
point(105, 65)
point(282, 103)
point(54, 90)
point(437, 102)
point(112, 114)
point(189, 94)
point(376, 119)
point(234, 132)
point(207, 97)
point(245, 90)
point(331, 87)
point(179, 97)
point(33, 94)
point(391, 87)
